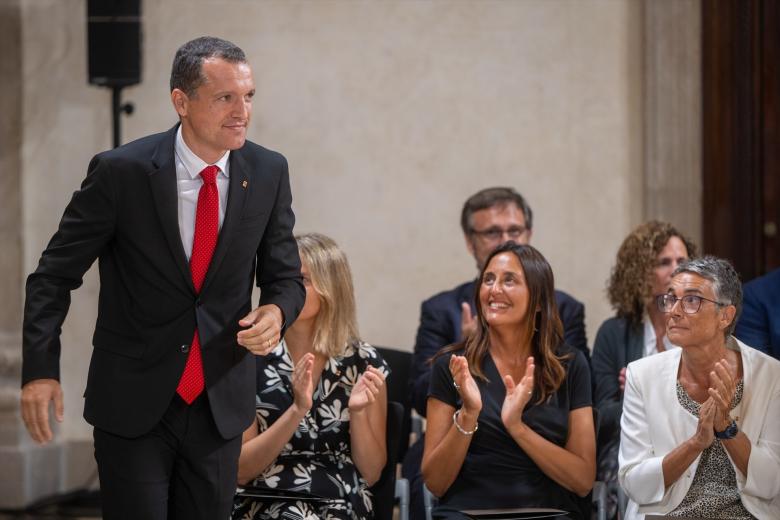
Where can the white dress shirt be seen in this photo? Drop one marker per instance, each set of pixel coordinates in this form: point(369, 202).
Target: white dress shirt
point(654, 423)
point(651, 345)
point(188, 183)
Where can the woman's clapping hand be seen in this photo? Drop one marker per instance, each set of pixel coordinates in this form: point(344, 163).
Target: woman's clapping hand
point(303, 384)
point(722, 390)
point(705, 432)
point(517, 396)
point(366, 390)
point(465, 385)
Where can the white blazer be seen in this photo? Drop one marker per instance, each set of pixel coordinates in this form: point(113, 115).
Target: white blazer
point(654, 423)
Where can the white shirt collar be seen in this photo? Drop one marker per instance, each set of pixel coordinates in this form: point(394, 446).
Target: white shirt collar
point(650, 340)
point(193, 164)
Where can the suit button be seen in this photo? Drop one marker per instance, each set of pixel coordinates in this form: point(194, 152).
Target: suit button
point(198, 303)
point(185, 349)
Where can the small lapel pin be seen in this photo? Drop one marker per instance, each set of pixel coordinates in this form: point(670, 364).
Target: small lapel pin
point(244, 184)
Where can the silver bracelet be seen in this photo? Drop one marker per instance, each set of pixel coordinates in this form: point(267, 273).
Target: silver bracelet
point(461, 430)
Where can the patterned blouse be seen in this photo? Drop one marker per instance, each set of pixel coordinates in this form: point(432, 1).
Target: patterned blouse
point(317, 459)
point(713, 492)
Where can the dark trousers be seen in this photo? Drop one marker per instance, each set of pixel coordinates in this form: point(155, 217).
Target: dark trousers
point(181, 470)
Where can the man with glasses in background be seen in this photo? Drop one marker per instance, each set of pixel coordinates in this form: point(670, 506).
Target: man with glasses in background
point(489, 218)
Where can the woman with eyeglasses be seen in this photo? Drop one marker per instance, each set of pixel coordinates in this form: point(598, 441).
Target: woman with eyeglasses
point(700, 431)
point(509, 422)
point(643, 270)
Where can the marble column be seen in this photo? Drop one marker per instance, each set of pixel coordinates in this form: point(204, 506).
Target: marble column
point(13, 445)
point(672, 113)
point(28, 472)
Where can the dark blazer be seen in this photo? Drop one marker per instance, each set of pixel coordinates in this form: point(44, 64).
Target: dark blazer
point(759, 324)
point(617, 344)
point(126, 216)
point(440, 326)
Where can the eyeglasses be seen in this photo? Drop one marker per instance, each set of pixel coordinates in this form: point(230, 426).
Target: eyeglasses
point(495, 234)
point(690, 303)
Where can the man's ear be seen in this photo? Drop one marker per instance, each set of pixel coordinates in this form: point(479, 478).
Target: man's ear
point(469, 243)
point(180, 102)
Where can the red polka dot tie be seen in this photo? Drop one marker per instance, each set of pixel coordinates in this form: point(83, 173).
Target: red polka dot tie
point(203, 243)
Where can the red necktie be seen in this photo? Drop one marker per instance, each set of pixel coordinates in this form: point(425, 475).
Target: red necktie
point(203, 243)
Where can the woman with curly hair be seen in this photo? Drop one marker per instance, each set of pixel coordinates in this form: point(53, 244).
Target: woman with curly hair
point(643, 271)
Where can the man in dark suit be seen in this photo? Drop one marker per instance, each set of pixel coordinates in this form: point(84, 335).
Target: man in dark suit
point(181, 223)
point(759, 323)
point(489, 217)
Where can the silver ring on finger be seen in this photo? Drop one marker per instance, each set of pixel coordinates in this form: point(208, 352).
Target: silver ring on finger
point(456, 385)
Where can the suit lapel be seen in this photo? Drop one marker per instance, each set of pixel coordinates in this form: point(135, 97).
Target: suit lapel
point(237, 190)
point(166, 200)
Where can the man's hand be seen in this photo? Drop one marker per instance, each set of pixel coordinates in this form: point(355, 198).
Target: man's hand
point(468, 323)
point(264, 332)
point(36, 396)
point(622, 379)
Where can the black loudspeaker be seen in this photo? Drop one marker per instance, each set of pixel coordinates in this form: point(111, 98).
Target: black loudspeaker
point(114, 42)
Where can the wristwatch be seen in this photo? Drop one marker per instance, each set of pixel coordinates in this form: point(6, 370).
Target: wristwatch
point(730, 432)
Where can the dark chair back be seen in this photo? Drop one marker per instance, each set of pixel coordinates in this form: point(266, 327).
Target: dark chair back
point(384, 489)
point(400, 363)
point(587, 502)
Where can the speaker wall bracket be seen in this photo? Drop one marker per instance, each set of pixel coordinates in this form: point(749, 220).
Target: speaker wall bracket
point(117, 109)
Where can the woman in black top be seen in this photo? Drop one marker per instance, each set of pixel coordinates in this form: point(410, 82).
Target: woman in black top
point(510, 422)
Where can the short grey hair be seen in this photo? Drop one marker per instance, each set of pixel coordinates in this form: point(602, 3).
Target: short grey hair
point(187, 69)
point(725, 281)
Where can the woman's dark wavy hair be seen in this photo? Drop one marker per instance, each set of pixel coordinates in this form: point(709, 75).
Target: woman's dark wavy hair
point(545, 335)
point(630, 284)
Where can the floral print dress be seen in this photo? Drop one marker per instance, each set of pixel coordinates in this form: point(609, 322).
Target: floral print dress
point(318, 459)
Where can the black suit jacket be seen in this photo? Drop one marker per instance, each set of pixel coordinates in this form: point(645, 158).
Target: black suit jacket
point(126, 216)
point(440, 326)
point(759, 323)
point(617, 344)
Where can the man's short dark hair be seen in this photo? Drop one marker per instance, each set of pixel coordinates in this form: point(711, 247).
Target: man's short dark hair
point(187, 70)
point(490, 197)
